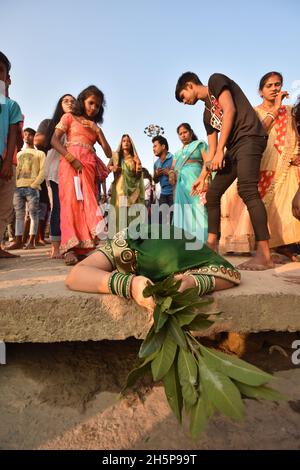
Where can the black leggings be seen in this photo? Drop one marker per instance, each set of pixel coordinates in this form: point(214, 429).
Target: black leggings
point(242, 162)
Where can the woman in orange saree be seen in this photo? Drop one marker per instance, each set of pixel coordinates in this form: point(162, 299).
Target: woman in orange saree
point(278, 182)
point(81, 219)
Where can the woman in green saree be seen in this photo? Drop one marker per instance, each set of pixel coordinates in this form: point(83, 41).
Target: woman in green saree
point(128, 184)
point(126, 264)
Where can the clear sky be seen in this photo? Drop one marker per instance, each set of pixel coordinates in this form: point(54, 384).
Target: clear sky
point(135, 50)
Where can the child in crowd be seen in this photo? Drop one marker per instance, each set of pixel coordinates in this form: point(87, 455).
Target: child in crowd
point(80, 218)
point(30, 175)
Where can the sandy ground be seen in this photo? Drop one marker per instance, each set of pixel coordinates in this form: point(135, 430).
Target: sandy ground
point(65, 396)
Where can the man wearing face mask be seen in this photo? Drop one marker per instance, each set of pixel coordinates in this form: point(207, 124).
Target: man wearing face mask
point(10, 119)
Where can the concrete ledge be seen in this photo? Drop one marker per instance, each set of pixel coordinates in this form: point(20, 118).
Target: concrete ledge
point(36, 307)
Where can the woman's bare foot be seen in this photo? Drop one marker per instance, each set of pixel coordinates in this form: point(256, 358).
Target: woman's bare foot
point(29, 246)
point(40, 243)
point(55, 253)
point(257, 263)
point(285, 250)
point(15, 246)
point(279, 259)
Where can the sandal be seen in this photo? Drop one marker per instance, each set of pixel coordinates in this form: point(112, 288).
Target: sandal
point(70, 258)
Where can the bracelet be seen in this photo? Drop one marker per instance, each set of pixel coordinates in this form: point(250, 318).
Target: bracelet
point(204, 283)
point(272, 116)
point(69, 157)
point(120, 284)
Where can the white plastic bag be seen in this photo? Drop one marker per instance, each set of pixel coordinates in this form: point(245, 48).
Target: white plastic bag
point(77, 185)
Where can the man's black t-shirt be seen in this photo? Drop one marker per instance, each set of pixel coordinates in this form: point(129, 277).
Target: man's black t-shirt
point(246, 121)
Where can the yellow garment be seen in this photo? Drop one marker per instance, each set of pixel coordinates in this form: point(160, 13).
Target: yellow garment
point(30, 168)
point(236, 229)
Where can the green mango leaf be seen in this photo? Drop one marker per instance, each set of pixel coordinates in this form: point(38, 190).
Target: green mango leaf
point(166, 304)
point(160, 318)
point(188, 375)
point(200, 323)
point(259, 393)
point(135, 374)
point(185, 318)
point(222, 392)
point(171, 311)
point(198, 418)
point(189, 296)
point(152, 342)
point(177, 333)
point(173, 391)
point(163, 361)
point(162, 288)
point(234, 367)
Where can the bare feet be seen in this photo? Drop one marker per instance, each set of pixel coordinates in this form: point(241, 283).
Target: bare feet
point(40, 243)
point(257, 263)
point(287, 251)
point(29, 246)
point(15, 246)
point(5, 254)
point(55, 254)
point(279, 259)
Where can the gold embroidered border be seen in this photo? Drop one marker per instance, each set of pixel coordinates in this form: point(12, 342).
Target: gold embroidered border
point(107, 251)
point(229, 274)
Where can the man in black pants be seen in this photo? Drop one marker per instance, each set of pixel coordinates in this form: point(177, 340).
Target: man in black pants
point(228, 111)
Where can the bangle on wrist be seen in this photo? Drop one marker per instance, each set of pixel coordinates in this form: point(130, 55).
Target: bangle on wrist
point(204, 283)
point(120, 284)
point(69, 157)
point(271, 115)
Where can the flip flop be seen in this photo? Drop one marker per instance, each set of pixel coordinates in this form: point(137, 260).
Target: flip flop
point(70, 258)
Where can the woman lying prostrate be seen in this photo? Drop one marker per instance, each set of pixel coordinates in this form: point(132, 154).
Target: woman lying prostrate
point(125, 265)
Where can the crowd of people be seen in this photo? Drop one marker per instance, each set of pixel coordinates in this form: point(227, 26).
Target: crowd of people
point(238, 191)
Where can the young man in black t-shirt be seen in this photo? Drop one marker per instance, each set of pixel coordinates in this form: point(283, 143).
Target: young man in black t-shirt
point(228, 112)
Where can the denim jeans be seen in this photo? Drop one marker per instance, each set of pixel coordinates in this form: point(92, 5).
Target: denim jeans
point(32, 197)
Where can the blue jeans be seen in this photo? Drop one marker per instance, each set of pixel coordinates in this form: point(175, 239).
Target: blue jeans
point(32, 197)
point(55, 233)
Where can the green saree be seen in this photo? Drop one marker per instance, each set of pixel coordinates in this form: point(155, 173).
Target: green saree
point(127, 190)
point(157, 258)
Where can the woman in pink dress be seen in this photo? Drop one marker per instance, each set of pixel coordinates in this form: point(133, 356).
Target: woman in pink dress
point(80, 219)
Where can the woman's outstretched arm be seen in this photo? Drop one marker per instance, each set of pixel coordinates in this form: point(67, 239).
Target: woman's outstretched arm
point(90, 275)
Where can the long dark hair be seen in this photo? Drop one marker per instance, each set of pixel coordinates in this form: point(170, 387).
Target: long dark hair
point(58, 112)
point(121, 153)
point(79, 106)
point(267, 76)
point(187, 126)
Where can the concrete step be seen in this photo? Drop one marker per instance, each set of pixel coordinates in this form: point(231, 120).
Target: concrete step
point(35, 306)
